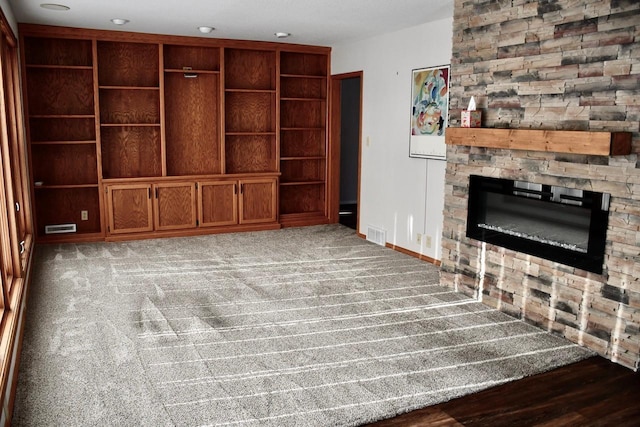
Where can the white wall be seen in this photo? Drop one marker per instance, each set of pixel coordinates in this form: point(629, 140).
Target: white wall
point(399, 194)
point(8, 13)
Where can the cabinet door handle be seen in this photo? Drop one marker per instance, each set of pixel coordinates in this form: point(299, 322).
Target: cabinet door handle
point(17, 207)
point(22, 248)
point(157, 192)
point(241, 188)
point(235, 188)
point(149, 192)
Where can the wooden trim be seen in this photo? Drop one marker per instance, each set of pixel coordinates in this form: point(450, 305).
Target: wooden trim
point(557, 141)
point(333, 184)
point(414, 254)
point(49, 31)
point(397, 248)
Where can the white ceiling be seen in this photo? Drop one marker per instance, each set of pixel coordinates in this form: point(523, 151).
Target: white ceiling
point(316, 22)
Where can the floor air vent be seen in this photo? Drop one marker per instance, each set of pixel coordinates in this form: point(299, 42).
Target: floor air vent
point(376, 235)
point(60, 228)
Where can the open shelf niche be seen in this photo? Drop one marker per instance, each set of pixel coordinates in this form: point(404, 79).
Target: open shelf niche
point(61, 125)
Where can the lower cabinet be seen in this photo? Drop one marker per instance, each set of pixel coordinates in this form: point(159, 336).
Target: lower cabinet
point(244, 201)
point(149, 207)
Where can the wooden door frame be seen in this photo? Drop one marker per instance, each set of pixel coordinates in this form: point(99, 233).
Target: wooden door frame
point(333, 202)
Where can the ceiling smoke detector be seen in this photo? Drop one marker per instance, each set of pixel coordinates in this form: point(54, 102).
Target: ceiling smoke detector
point(119, 21)
point(281, 35)
point(205, 30)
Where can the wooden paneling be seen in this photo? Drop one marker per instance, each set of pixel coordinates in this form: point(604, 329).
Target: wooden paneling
point(250, 112)
point(130, 208)
point(303, 114)
point(302, 143)
point(175, 206)
point(575, 142)
point(307, 64)
point(64, 206)
point(257, 200)
point(303, 170)
point(60, 52)
point(250, 153)
point(218, 203)
point(299, 87)
point(62, 129)
point(193, 57)
point(60, 91)
point(64, 164)
point(192, 124)
point(129, 106)
point(128, 64)
point(250, 69)
point(302, 199)
point(129, 152)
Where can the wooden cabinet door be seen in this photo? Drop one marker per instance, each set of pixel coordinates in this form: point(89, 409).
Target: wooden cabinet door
point(129, 208)
point(175, 205)
point(218, 203)
point(257, 200)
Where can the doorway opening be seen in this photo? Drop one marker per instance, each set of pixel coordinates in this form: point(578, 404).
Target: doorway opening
point(346, 130)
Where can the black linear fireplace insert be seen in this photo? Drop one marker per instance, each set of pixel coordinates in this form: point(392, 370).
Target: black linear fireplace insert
point(561, 224)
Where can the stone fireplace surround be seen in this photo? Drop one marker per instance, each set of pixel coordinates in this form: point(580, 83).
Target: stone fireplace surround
point(598, 311)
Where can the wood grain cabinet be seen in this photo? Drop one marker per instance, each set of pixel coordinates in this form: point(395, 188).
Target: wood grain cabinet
point(137, 208)
point(138, 135)
point(245, 201)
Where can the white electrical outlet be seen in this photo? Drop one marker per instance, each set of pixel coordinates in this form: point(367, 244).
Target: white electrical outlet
point(84, 215)
point(427, 241)
point(418, 238)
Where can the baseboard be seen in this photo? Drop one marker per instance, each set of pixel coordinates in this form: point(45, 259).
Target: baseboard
point(428, 259)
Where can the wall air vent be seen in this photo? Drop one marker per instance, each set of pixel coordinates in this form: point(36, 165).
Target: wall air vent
point(376, 235)
point(59, 228)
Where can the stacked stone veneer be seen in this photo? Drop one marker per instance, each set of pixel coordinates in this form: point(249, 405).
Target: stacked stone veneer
point(570, 65)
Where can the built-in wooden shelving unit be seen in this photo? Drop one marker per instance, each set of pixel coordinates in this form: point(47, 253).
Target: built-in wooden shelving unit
point(135, 135)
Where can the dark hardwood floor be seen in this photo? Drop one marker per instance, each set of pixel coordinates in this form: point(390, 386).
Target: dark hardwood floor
point(594, 392)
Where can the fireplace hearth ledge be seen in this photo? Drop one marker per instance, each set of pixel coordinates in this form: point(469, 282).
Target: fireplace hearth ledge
point(556, 141)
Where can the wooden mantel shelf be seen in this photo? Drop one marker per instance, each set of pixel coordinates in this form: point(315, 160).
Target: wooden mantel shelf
point(557, 141)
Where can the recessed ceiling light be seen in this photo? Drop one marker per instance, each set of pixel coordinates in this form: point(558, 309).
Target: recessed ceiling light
point(282, 35)
point(119, 21)
point(205, 30)
point(53, 6)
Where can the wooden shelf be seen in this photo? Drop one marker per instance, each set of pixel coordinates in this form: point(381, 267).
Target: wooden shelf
point(130, 88)
point(302, 99)
point(57, 187)
point(302, 76)
point(180, 71)
point(250, 90)
point(92, 142)
point(310, 182)
point(62, 116)
point(59, 67)
point(249, 133)
point(557, 141)
point(106, 125)
point(302, 158)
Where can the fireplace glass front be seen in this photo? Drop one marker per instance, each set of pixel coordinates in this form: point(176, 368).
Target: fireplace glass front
point(561, 224)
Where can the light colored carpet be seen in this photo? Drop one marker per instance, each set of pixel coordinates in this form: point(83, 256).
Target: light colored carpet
point(305, 326)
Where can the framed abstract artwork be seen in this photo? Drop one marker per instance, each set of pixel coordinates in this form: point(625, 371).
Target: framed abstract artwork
point(429, 112)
